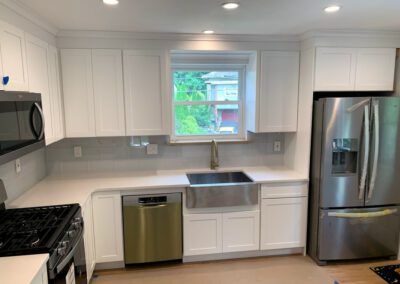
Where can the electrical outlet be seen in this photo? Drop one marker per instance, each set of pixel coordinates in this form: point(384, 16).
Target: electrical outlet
point(78, 152)
point(18, 168)
point(277, 146)
point(152, 149)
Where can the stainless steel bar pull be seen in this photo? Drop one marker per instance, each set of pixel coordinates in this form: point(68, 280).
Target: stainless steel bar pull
point(376, 150)
point(381, 213)
point(366, 154)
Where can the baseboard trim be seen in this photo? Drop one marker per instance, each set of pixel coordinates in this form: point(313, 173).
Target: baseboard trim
point(109, 265)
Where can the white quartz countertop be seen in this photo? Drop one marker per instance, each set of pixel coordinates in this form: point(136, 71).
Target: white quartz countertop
point(55, 190)
point(21, 269)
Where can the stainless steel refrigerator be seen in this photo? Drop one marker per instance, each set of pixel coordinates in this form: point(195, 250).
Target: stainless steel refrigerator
point(355, 179)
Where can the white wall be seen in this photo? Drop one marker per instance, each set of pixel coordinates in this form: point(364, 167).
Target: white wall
point(33, 170)
point(114, 154)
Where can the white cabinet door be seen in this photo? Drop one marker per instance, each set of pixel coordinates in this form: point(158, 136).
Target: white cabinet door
point(241, 231)
point(335, 69)
point(108, 92)
point(279, 89)
point(283, 223)
point(13, 57)
point(41, 277)
point(107, 227)
point(145, 92)
point(375, 69)
point(88, 239)
point(76, 66)
point(55, 94)
point(1, 70)
point(202, 234)
point(38, 73)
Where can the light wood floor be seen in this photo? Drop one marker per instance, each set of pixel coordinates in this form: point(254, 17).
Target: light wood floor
point(267, 270)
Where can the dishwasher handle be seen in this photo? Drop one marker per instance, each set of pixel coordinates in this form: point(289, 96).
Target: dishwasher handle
point(151, 200)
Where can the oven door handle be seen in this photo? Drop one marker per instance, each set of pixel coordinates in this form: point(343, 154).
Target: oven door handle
point(70, 255)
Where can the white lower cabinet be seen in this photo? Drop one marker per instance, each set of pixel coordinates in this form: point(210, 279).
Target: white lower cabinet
point(202, 234)
point(107, 227)
point(221, 232)
point(241, 231)
point(283, 223)
point(41, 277)
point(89, 239)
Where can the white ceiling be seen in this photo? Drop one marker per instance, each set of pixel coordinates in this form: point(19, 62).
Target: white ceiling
point(278, 17)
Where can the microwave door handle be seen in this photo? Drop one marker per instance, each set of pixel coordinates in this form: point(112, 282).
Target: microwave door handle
point(31, 123)
point(376, 150)
point(366, 153)
point(42, 118)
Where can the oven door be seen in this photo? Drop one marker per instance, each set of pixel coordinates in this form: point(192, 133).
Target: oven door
point(72, 268)
point(21, 124)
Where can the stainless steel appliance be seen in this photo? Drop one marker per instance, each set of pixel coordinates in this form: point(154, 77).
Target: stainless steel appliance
point(355, 178)
point(152, 228)
point(21, 124)
point(56, 230)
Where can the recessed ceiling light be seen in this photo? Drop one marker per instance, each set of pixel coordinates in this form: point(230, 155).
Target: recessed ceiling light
point(332, 9)
point(230, 5)
point(208, 32)
point(111, 2)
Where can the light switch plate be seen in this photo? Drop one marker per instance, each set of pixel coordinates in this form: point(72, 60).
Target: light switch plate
point(277, 146)
point(18, 168)
point(152, 149)
point(78, 152)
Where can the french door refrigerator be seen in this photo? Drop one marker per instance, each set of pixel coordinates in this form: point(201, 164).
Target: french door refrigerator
point(355, 179)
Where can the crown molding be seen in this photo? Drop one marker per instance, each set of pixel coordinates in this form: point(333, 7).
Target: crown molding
point(30, 15)
point(350, 34)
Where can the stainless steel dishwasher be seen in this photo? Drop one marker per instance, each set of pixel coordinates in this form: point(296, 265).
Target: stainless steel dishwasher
point(152, 227)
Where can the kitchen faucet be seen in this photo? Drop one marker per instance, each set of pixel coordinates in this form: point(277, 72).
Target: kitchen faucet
point(214, 163)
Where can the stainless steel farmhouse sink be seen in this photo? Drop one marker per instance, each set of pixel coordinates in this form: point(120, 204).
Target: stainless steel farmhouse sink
point(220, 189)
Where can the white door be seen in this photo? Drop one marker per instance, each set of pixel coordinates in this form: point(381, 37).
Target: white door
point(13, 57)
point(145, 92)
point(375, 69)
point(76, 66)
point(107, 227)
point(283, 223)
point(88, 239)
point(335, 69)
point(108, 92)
point(279, 90)
point(38, 73)
point(241, 231)
point(202, 234)
point(55, 94)
point(1, 69)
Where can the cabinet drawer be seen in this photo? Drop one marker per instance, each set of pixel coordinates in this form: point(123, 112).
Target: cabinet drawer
point(283, 190)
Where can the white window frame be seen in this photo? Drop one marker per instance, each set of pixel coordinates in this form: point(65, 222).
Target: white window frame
point(241, 135)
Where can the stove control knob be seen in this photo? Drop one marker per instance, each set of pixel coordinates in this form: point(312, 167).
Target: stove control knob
point(61, 251)
point(71, 233)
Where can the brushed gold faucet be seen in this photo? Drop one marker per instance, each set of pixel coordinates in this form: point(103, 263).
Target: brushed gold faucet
point(214, 163)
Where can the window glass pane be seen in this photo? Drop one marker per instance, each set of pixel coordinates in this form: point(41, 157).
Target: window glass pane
point(206, 119)
point(206, 86)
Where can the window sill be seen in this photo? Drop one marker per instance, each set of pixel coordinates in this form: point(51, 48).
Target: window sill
point(205, 142)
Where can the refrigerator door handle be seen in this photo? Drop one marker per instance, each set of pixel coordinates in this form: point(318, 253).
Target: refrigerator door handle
point(366, 153)
point(381, 213)
point(376, 150)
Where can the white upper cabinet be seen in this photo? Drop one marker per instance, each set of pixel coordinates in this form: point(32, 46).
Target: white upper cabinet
point(145, 82)
point(55, 94)
point(38, 73)
point(76, 66)
point(375, 69)
point(354, 69)
point(13, 57)
point(279, 89)
point(108, 92)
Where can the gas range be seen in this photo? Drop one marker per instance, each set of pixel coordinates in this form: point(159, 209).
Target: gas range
point(56, 230)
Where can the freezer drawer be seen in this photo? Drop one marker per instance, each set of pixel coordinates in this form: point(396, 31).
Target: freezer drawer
point(358, 233)
point(152, 228)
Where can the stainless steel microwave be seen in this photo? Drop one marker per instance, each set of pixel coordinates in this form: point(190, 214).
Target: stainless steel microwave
point(21, 124)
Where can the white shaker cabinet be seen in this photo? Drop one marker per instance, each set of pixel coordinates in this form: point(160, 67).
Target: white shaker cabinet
point(38, 72)
point(145, 82)
point(241, 231)
point(354, 69)
point(89, 239)
point(202, 234)
point(13, 58)
point(283, 216)
point(107, 227)
point(108, 92)
point(76, 66)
